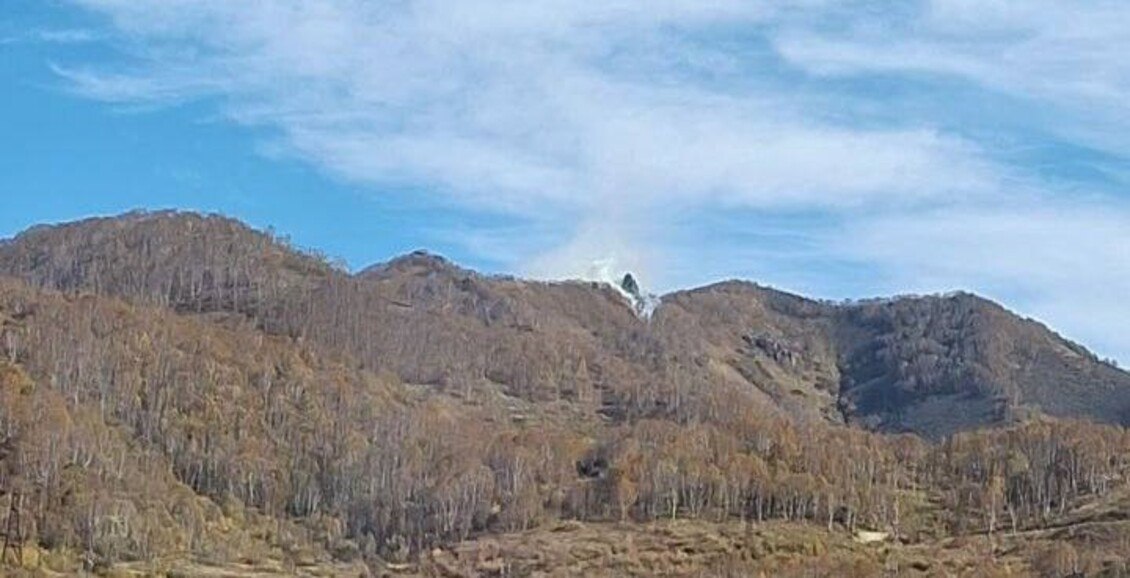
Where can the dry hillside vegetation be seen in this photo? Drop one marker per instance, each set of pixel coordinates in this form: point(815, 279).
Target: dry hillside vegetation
point(182, 394)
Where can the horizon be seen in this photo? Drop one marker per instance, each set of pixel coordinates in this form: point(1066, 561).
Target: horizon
point(613, 282)
point(834, 150)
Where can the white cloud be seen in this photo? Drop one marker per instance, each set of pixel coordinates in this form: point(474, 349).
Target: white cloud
point(512, 104)
point(1059, 261)
point(604, 123)
point(53, 36)
point(1068, 56)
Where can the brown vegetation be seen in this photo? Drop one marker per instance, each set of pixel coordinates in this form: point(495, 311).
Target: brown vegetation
point(244, 402)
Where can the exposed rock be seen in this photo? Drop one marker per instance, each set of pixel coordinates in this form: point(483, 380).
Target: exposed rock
point(631, 286)
point(780, 351)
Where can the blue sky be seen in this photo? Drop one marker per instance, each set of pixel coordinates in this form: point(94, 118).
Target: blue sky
point(836, 148)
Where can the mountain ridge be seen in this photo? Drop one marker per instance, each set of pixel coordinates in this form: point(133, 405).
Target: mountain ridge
point(932, 365)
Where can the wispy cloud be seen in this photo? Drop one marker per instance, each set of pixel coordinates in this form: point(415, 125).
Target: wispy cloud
point(514, 105)
point(603, 125)
point(52, 36)
point(1068, 57)
point(1061, 261)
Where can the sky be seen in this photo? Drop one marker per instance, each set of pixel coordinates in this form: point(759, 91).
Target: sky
point(840, 149)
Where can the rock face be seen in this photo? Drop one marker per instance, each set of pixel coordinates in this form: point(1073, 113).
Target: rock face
point(929, 365)
point(630, 286)
point(644, 304)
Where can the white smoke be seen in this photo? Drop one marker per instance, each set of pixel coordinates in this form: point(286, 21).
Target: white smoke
point(601, 253)
point(609, 272)
point(647, 304)
point(601, 249)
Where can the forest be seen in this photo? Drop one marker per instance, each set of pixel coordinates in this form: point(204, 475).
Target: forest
point(179, 386)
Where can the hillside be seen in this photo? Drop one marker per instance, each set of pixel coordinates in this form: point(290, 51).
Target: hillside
point(919, 364)
point(181, 391)
point(927, 365)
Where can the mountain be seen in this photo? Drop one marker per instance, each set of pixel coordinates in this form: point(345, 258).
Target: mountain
point(930, 365)
point(189, 262)
point(182, 394)
point(943, 364)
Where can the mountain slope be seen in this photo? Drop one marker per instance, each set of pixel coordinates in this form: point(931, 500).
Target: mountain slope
point(134, 433)
point(190, 262)
point(182, 387)
point(929, 365)
point(937, 365)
